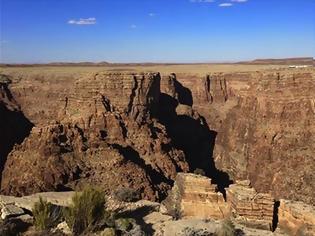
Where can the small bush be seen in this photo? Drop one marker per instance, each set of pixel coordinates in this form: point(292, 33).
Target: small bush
point(87, 210)
point(46, 215)
point(124, 224)
point(4, 79)
point(199, 172)
point(127, 195)
point(227, 229)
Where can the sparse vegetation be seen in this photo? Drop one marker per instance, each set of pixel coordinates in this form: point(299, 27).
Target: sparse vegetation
point(46, 215)
point(195, 232)
point(199, 171)
point(87, 210)
point(227, 228)
point(127, 195)
point(124, 224)
point(4, 79)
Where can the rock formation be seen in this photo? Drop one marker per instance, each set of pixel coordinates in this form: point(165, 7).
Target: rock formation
point(249, 207)
point(252, 125)
point(296, 218)
point(195, 196)
point(264, 125)
point(14, 126)
point(105, 137)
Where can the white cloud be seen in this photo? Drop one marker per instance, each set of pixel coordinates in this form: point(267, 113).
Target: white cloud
point(239, 0)
point(226, 4)
point(152, 14)
point(202, 1)
point(133, 26)
point(82, 21)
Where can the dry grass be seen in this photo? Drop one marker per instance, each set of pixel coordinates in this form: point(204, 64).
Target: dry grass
point(197, 69)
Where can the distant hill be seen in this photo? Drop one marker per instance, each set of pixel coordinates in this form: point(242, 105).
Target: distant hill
point(284, 61)
point(104, 63)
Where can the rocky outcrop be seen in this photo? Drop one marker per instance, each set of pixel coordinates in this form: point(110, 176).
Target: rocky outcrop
point(195, 196)
point(296, 218)
point(27, 202)
point(104, 143)
point(249, 207)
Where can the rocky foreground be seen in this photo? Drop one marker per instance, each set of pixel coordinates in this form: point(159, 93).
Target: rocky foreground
point(202, 211)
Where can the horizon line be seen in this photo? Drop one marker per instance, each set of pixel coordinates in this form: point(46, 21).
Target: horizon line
point(160, 62)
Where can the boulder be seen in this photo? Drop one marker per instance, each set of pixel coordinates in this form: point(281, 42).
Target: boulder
point(10, 210)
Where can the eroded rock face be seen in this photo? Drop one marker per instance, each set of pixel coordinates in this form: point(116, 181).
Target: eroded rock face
point(265, 129)
point(296, 218)
point(249, 207)
point(99, 142)
point(195, 196)
point(14, 126)
point(256, 125)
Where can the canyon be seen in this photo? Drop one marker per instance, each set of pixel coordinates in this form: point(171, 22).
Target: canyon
point(61, 131)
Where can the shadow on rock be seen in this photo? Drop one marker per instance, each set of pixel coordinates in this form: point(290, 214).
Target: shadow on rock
point(14, 126)
point(132, 155)
point(138, 214)
point(190, 132)
point(13, 227)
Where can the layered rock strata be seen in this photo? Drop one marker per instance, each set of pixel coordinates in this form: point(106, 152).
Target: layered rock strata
point(264, 125)
point(258, 125)
point(195, 196)
point(105, 135)
point(249, 207)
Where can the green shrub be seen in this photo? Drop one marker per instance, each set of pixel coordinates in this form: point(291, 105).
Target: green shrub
point(124, 224)
point(127, 195)
point(87, 210)
point(199, 172)
point(46, 215)
point(227, 228)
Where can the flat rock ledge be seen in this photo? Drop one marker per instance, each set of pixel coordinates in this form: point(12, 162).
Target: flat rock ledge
point(27, 202)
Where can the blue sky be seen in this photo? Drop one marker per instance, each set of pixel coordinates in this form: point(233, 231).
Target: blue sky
point(38, 31)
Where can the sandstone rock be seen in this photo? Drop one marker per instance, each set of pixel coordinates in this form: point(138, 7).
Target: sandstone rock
point(64, 228)
point(249, 207)
point(10, 210)
point(195, 196)
point(186, 227)
point(296, 218)
point(27, 202)
point(108, 232)
point(26, 218)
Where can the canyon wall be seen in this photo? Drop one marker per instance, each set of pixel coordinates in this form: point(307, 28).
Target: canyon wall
point(93, 132)
point(252, 125)
point(265, 127)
